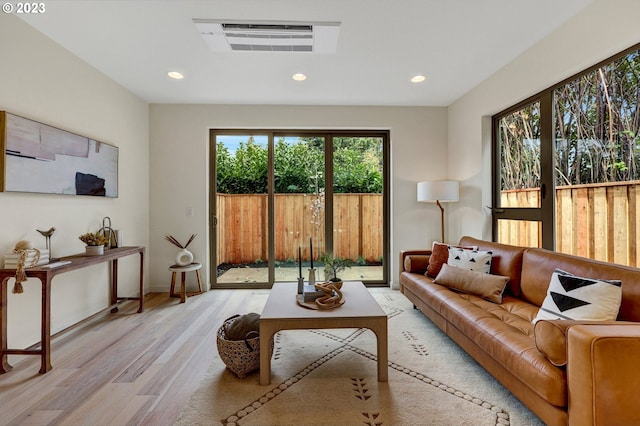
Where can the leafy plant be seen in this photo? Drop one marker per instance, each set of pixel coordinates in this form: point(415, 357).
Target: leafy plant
point(93, 239)
point(333, 265)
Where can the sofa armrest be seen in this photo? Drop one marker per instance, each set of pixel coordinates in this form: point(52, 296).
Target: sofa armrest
point(551, 337)
point(419, 254)
point(603, 374)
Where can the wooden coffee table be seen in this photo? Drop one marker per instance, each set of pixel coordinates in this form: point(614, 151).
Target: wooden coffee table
point(282, 312)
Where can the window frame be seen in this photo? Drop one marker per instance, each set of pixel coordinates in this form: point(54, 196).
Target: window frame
point(546, 212)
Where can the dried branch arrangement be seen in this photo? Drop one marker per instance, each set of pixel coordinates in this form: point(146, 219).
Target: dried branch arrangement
point(176, 243)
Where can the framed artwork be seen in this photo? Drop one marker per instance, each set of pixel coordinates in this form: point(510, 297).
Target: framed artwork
point(43, 159)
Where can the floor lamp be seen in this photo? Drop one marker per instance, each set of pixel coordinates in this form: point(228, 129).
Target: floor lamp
point(439, 191)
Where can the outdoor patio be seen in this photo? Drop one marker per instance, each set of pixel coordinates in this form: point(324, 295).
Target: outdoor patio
point(252, 274)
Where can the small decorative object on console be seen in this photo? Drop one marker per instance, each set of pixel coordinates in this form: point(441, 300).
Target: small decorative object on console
point(95, 242)
point(24, 256)
point(184, 257)
point(47, 237)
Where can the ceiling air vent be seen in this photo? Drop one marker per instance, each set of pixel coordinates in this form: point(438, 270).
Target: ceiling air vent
point(258, 36)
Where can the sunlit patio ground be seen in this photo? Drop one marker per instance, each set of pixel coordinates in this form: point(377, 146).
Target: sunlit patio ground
point(252, 275)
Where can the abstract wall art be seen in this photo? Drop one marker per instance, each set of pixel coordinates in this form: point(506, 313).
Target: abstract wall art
point(43, 159)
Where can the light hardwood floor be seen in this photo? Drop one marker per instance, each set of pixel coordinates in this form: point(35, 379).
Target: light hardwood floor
point(124, 368)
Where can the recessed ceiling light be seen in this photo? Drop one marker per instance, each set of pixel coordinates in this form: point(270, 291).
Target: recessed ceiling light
point(299, 77)
point(418, 78)
point(175, 75)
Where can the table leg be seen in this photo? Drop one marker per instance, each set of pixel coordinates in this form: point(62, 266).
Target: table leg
point(114, 285)
point(383, 350)
point(183, 287)
point(200, 290)
point(266, 334)
point(45, 327)
point(141, 305)
point(172, 290)
point(4, 363)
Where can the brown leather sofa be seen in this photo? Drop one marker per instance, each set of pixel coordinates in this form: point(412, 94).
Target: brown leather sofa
point(595, 374)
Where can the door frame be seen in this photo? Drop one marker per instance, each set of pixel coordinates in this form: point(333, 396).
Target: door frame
point(272, 135)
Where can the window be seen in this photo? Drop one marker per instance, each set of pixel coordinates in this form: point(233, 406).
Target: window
point(569, 160)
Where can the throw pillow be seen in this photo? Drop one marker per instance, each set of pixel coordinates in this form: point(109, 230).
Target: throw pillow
point(580, 298)
point(551, 340)
point(439, 256)
point(474, 260)
point(416, 263)
point(487, 286)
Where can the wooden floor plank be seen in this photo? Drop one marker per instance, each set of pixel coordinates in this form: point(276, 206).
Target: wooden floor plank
point(41, 417)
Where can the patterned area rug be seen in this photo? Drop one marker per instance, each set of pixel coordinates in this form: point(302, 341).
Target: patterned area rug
point(329, 377)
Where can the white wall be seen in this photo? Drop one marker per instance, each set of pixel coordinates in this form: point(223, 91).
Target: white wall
point(179, 155)
point(601, 30)
point(42, 81)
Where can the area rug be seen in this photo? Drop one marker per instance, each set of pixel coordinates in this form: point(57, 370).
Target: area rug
point(329, 377)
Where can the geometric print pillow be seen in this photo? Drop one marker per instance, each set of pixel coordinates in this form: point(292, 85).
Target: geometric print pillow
point(439, 256)
point(474, 260)
point(579, 298)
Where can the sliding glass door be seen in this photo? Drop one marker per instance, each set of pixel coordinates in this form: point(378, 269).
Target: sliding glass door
point(358, 212)
point(241, 216)
point(299, 169)
point(279, 200)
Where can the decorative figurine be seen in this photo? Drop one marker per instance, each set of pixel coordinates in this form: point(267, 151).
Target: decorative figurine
point(47, 239)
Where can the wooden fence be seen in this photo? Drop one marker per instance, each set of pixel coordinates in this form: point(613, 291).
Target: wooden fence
point(242, 227)
point(599, 221)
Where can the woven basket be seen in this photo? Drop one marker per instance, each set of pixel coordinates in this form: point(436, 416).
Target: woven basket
point(240, 356)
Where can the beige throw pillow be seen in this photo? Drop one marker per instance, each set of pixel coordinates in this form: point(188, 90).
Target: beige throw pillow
point(487, 286)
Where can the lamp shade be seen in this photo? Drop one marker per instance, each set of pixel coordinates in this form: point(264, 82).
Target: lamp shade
point(438, 190)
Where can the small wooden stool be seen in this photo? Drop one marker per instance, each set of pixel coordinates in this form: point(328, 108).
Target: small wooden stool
point(195, 266)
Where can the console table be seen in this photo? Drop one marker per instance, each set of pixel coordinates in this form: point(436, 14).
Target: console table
point(45, 274)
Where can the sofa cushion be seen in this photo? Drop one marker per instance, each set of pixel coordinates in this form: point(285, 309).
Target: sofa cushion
point(503, 331)
point(416, 263)
point(487, 286)
point(579, 298)
point(474, 260)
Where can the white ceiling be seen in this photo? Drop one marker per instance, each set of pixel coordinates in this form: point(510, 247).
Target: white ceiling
point(382, 43)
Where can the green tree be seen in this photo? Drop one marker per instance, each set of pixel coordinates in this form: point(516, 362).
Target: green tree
point(357, 165)
point(299, 166)
point(243, 173)
point(295, 165)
